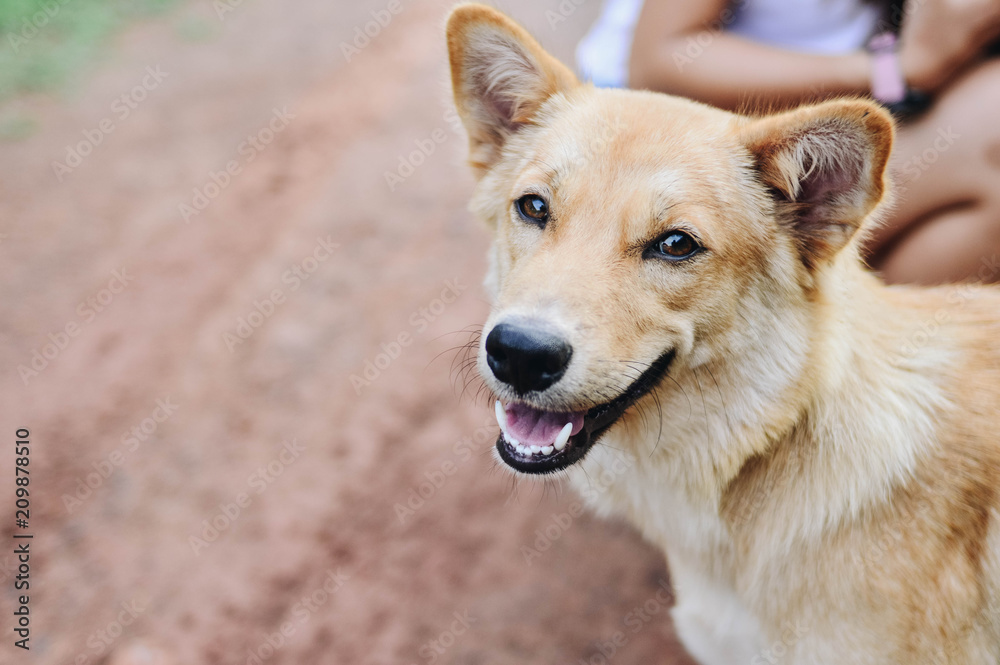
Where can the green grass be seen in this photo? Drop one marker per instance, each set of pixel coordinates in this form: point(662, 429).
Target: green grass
point(40, 50)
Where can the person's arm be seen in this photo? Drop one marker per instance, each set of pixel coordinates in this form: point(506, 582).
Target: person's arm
point(675, 51)
point(940, 38)
point(678, 48)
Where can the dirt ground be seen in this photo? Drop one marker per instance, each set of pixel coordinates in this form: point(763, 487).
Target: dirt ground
point(248, 445)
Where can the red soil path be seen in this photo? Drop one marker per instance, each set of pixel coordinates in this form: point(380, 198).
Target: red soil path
point(328, 505)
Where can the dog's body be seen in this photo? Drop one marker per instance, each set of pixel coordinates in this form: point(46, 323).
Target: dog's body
point(817, 454)
point(864, 533)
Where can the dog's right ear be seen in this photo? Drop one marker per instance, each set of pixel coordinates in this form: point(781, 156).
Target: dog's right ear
point(825, 165)
point(500, 77)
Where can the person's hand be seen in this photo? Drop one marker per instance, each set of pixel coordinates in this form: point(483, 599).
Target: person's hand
point(939, 37)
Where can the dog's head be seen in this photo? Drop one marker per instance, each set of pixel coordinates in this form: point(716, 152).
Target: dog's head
point(639, 235)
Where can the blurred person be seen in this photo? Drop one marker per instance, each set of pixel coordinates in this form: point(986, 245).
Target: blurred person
point(929, 61)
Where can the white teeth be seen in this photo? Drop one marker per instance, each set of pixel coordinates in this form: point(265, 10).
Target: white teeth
point(563, 437)
point(559, 444)
point(502, 421)
point(501, 416)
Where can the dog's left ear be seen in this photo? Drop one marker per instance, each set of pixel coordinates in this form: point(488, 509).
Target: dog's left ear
point(826, 168)
point(500, 77)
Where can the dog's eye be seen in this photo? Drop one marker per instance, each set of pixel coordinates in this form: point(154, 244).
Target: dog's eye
point(676, 245)
point(533, 208)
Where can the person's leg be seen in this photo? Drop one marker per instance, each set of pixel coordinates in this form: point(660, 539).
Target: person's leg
point(956, 245)
point(946, 173)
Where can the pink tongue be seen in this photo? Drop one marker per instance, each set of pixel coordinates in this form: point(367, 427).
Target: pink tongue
point(539, 428)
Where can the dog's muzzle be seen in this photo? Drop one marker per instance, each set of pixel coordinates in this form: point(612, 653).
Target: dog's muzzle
point(534, 440)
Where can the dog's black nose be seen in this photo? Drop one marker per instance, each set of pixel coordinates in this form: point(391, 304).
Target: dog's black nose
point(525, 358)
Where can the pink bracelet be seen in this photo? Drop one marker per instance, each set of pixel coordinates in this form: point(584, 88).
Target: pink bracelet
point(888, 84)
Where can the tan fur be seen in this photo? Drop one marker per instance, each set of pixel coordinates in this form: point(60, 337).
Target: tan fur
point(821, 466)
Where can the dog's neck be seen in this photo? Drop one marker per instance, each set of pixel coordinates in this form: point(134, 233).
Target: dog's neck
point(803, 419)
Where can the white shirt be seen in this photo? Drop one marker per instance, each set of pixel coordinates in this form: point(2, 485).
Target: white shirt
point(809, 26)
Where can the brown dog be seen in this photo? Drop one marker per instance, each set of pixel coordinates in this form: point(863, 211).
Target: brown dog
point(816, 453)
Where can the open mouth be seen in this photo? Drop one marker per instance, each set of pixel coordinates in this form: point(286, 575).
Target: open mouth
point(537, 441)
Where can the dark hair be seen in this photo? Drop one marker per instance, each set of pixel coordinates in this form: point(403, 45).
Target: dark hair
point(892, 14)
